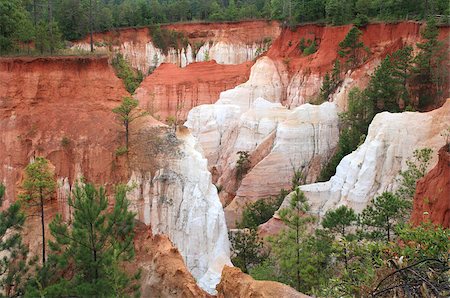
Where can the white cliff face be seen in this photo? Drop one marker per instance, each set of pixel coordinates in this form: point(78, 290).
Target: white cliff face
point(251, 118)
point(374, 166)
point(145, 55)
point(181, 202)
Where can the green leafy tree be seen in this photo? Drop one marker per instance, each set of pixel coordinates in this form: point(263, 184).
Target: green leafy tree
point(402, 63)
point(130, 77)
point(337, 221)
point(383, 213)
point(247, 249)
point(12, 13)
point(261, 211)
point(351, 47)
point(416, 168)
point(295, 218)
point(45, 42)
point(13, 265)
point(430, 66)
point(38, 188)
point(331, 82)
point(126, 113)
point(93, 247)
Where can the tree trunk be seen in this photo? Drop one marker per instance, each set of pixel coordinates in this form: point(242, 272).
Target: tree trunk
point(35, 12)
point(126, 134)
point(91, 27)
point(298, 255)
point(42, 226)
point(50, 24)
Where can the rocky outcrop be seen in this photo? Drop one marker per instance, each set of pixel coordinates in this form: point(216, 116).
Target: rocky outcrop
point(171, 91)
point(176, 197)
point(374, 166)
point(432, 198)
point(226, 43)
point(235, 283)
point(163, 271)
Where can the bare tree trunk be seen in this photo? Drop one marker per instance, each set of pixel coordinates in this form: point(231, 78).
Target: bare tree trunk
point(91, 28)
point(42, 226)
point(50, 25)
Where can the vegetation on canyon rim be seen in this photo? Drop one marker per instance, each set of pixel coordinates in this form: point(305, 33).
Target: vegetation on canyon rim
point(45, 23)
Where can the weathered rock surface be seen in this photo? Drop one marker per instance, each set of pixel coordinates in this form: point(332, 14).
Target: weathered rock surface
point(235, 283)
point(164, 273)
point(60, 108)
point(432, 198)
point(279, 140)
point(173, 91)
point(179, 200)
point(374, 166)
point(226, 43)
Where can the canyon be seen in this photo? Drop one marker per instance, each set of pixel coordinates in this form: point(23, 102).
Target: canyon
point(242, 86)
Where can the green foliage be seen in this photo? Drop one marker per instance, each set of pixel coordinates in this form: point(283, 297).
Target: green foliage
point(38, 188)
point(165, 39)
point(12, 13)
point(355, 125)
point(351, 48)
point(330, 83)
point(416, 169)
point(361, 20)
point(339, 219)
point(126, 113)
point(430, 66)
point(13, 263)
point(242, 164)
point(311, 49)
point(48, 37)
point(93, 247)
point(130, 77)
point(260, 211)
point(247, 249)
point(121, 151)
point(383, 213)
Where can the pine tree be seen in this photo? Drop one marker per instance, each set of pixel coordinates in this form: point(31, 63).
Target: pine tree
point(95, 246)
point(383, 213)
point(38, 188)
point(295, 218)
point(351, 47)
point(430, 66)
point(126, 113)
point(401, 63)
point(13, 266)
point(247, 249)
point(337, 221)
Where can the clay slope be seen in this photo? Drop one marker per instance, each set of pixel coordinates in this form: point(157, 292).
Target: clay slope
point(432, 198)
point(174, 91)
point(235, 283)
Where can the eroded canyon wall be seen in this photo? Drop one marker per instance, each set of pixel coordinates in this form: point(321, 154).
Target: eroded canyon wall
point(60, 108)
point(226, 43)
point(374, 167)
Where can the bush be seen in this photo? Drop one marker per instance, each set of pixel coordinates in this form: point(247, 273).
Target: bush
point(121, 151)
point(131, 78)
point(242, 164)
point(361, 20)
point(311, 49)
point(165, 39)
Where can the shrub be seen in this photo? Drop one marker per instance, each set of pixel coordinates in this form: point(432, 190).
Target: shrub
point(242, 164)
point(121, 151)
point(131, 78)
point(311, 49)
point(165, 39)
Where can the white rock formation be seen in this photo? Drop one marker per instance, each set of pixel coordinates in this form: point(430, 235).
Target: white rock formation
point(251, 118)
point(144, 56)
point(181, 202)
point(374, 166)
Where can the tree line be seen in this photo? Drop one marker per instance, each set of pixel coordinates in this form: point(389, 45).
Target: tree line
point(47, 22)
